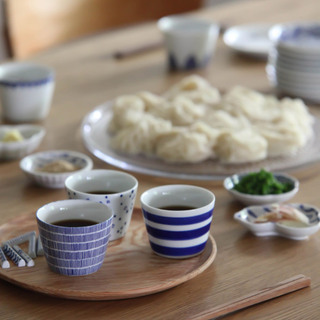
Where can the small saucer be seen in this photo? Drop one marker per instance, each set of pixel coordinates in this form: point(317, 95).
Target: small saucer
point(32, 164)
point(250, 39)
point(248, 215)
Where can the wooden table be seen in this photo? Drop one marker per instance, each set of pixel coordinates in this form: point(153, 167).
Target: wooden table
point(86, 76)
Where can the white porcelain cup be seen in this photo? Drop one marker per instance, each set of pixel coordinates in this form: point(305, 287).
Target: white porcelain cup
point(115, 189)
point(190, 41)
point(26, 91)
point(178, 219)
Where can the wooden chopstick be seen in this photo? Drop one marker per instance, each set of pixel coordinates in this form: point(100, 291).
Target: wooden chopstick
point(284, 287)
point(128, 52)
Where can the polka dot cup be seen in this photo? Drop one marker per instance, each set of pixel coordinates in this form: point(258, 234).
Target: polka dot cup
point(115, 189)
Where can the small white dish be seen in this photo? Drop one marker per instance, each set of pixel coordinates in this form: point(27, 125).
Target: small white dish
point(250, 199)
point(32, 137)
point(32, 164)
point(248, 215)
point(252, 39)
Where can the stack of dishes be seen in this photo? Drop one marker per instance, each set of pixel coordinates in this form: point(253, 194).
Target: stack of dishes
point(294, 60)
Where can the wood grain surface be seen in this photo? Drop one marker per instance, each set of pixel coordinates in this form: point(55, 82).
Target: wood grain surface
point(87, 75)
point(130, 268)
point(292, 284)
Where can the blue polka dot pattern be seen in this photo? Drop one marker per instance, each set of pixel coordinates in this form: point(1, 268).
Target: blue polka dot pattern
point(122, 205)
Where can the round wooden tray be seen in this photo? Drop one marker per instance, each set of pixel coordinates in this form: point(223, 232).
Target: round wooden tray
point(130, 268)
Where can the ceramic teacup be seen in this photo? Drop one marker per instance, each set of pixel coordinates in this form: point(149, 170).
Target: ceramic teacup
point(190, 41)
point(74, 235)
point(26, 91)
point(115, 189)
point(178, 219)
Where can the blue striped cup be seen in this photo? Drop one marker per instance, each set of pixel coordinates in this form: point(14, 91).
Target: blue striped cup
point(178, 219)
point(74, 250)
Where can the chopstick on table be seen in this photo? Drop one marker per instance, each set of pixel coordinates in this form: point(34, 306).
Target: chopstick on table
point(135, 50)
point(124, 53)
point(284, 287)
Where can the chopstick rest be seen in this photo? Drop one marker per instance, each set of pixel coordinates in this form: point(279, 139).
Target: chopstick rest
point(29, 236)
point(32, 245)
point(23, 255)
point(13, 255)
point(4, 262)
point(39, 247)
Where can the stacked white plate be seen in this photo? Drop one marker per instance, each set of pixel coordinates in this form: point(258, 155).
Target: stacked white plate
point(294, 60)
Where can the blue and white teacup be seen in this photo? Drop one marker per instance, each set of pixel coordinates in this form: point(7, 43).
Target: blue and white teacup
point(115, 189)
point(75, 235)
point(178, 219)
point(26, 91)
point(190, 41)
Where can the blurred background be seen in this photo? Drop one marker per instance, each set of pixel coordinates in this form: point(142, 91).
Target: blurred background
point(31, 26)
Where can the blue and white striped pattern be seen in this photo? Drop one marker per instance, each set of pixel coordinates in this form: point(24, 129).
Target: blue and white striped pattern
point(4, 262)
point(75, 251)
point(14, 256)
point(176, 236)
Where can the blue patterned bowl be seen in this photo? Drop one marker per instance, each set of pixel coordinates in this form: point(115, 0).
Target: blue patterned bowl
point(70, 250)
point(178, 219)
point(31, 165)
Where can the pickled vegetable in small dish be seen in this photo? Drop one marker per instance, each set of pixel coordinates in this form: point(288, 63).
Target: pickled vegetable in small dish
point(59, 166)
point(262, 187)
point(51, 168)
point(12, 135)
point(262, 183)
point(294, 221)
point(17, 141)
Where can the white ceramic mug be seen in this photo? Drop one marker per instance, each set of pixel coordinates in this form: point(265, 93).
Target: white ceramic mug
point(26, 91)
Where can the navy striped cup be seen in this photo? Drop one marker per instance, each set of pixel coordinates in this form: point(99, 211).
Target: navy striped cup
point(74, 250)
point(178, 219)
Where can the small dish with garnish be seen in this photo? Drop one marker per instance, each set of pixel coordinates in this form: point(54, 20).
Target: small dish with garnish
point(294, 221)
point(17, 141)
point(262, 187)
point(51, 168)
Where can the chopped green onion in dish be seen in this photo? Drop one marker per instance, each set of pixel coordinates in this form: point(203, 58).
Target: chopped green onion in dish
point(262, 183)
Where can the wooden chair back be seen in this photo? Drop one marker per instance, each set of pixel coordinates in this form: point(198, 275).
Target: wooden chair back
point(36, 25)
